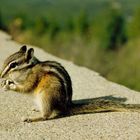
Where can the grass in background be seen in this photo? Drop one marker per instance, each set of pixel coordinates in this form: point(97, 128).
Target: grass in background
point(98, 35)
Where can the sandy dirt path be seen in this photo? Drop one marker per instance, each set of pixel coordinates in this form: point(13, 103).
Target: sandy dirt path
point(87, 85)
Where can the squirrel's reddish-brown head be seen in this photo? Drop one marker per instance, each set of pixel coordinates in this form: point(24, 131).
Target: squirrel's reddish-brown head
point(17, 61)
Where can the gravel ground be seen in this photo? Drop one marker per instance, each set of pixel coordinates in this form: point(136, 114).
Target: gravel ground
point(87, 85)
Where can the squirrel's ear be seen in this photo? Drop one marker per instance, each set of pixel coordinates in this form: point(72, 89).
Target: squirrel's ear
point(23, 49)
point(30, 54)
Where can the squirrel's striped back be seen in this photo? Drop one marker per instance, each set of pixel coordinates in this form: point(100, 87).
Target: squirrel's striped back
point(59, 70)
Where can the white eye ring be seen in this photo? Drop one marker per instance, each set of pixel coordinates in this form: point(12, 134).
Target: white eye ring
point(13, 65)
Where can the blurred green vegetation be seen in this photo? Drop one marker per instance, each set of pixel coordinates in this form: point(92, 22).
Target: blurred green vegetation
point(101, 35)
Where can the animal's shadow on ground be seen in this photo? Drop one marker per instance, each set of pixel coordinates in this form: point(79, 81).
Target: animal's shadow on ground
point(105, 102)
point(103, 98)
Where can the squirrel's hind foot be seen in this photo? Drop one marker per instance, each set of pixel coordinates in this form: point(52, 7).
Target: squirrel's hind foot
point(37, 119)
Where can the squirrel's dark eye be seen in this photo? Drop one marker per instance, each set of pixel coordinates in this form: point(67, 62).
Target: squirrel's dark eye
point(13, 65)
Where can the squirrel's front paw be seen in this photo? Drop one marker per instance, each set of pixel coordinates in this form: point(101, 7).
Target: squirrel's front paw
point(7, 84)
point(4, 84)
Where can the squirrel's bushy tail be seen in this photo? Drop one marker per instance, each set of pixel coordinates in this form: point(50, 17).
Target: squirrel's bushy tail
point(103, 106)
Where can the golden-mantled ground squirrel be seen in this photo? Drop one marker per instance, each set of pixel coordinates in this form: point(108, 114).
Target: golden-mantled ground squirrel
point(50, 84)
